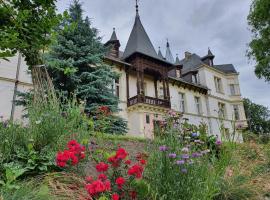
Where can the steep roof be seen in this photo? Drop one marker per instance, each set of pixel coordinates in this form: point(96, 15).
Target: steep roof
point(226, 68)
point(169, 56)
point(160, 54)
point(191, 63)
point(177, 61)
point(139, 42)
point(113, 37)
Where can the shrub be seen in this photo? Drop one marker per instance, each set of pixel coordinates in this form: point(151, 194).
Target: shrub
point(33, 146)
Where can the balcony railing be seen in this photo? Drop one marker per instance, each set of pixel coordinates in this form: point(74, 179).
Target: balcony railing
point(149, 100)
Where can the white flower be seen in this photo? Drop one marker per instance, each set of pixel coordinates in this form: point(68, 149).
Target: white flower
point(38, 122)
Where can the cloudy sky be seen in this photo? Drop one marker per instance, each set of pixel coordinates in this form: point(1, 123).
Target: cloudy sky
point(190, 25)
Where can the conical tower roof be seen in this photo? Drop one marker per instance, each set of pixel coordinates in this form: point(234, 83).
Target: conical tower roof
point(160, 54)
point(113, 37)
point(177, 60)
point(209, 53)
point(169, 56)
point(139, 42)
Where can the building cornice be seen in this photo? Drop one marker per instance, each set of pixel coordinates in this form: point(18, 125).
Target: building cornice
point(227, 100)
point(216, 70)
point(191, 86)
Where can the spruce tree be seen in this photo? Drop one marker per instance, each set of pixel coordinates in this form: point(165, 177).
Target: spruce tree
point(75, 63)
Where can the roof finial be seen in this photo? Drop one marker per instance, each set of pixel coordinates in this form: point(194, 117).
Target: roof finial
point(168, 45)
point(137, 7)
point(113, 29)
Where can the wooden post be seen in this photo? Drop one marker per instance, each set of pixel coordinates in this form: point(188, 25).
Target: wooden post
point(155, 85)
point(168, 89)
point(164, 88)
point(138, 82)
point(127, 83)
point(142, 83)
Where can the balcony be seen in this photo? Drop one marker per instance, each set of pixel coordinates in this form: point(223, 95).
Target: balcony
point(149, 100)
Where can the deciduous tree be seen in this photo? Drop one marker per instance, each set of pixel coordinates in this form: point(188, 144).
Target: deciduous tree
point(259, 47)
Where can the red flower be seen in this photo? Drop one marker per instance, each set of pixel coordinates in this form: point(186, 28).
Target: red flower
point(89, 179)
point(74, 153)
point(97, 187)
point(135, 170)
point(102, 177)
point(133, 194)
point(143, 162)
point(121, 153)
point(102, 167)
point(61, 159)
point(114, 161)
point(115, 196)
point(127, 162)
point(107, 184)
point(120, 182)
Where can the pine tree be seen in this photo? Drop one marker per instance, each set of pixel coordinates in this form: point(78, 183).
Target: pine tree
point(75, 63)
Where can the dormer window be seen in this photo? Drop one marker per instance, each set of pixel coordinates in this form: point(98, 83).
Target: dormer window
point(178, 73)
point(195, 78)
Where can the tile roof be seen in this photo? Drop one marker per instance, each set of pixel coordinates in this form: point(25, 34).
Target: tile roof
point(139, 41)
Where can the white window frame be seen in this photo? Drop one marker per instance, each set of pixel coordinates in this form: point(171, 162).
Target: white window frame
point(182, 102)
point(236, 108)
point(218, 84)
point(116, 87)
point(198, 104)
point(222, 110)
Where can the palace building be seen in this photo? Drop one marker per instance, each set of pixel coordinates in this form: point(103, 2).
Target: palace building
point(152, 83)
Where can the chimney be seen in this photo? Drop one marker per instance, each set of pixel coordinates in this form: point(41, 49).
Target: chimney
point(114, 45)
point(187, 54)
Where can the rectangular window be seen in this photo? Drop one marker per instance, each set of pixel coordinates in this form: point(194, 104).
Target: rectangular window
point(116, 87)
point(198, 105)
point(182, 102)
point(147, 119)
point(161, 93)
point(221, 110)
point(236, 112)
point(232, 89)
point(178, 74)
point(218, 84)
point(194, 78)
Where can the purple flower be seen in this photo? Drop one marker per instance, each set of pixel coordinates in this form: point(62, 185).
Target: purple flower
point(172, 155)
point(218, 142)
point(185, 156)
point(184, 170)
point(180, 162)
point(163, 148)
point(195, 134)
point(197, 141)
point(195, 155)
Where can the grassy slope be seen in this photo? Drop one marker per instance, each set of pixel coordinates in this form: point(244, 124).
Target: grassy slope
point(251, 162)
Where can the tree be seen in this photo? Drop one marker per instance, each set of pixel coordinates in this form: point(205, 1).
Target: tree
point(75, 63)
point(26, 27)
point(258, 117)
point(259, 47)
